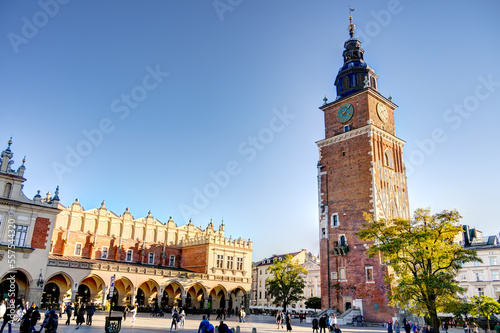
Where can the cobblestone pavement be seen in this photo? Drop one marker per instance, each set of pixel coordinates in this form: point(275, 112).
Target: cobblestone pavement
point(146, 324)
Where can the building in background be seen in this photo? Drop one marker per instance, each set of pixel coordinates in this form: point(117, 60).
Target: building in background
point(153, 262)
point(481, 278)
point(360, 170)
point(263, 299)
point(25, 233)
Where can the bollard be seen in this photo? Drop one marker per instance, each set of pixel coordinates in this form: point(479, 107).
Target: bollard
point(254, 330)
point(216, 329)
point(237, 329)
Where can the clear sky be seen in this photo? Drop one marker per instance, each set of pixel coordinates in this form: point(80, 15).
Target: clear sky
point(209, 109)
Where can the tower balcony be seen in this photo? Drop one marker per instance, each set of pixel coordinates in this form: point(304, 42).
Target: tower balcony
point(340, 249)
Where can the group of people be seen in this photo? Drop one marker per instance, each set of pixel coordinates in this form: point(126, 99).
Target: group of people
point(325, 322)
point(81, 313)
point(177, 318)
point(207, 327)
point(281, 318)
point(28, 318)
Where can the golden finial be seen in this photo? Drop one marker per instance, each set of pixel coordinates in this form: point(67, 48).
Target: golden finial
point(351, 27)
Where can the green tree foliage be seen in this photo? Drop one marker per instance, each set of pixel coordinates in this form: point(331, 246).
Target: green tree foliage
point(484, 306)
point(459, 307)
point(423, 259)
point(313, 303)
point(287, 284)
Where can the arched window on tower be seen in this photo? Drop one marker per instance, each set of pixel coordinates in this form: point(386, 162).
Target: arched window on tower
point(373, 83)
point(360, 79)
point(7, 190)
point(388, 160)
point(345, 82)
point(342, 240)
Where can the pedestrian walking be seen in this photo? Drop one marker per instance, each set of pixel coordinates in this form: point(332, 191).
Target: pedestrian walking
point(397, 327)
point(183, 318)
point(322, 324)
point(175, 320)
point(35, 317)
point(90, 313)
point(465, 327)
point(278, 320)
point(389, 326)
point(69, 312)
point(337, 329)
point(6, 316)
point(126, 309)
point(203, 325)
point(288, 320)
point(223, 327)
point(133, 311)
point(446, 326)
point(315, 325)
point(52, 323)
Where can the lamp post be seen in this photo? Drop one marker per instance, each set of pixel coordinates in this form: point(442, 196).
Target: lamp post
point(39, 283)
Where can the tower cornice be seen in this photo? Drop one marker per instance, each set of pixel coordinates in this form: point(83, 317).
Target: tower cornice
point(368, 129)
point(368, 90)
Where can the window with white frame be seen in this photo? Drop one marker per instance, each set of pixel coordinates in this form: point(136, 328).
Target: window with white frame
point(171, 261)
point(229, 262)
point(104, 252)
point(479, 276)
point(495, 276)
point(78, 249)
point(463, 276)
point(20, 235)
point(334, 276)
point(477, 263)
point(239, 264)
point(369, 273)
point(220, 261)
point(335, 220)
point(493, 261)
point(342, 273)
point(129, 255)
point(497, 292)
point(151, 258)
point(480, 291)
point(260, 294)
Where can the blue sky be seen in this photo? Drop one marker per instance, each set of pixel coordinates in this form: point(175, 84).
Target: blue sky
point(164, 100)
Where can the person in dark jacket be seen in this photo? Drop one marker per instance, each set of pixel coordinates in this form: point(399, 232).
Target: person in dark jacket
point(323, 323)
point(25, 326)
point(69, 312)
point(35, 317)
point(315, 325)
point(80, 316)
point(52, 323)
point(223, 327)
point(288, 320)
point(90, 313)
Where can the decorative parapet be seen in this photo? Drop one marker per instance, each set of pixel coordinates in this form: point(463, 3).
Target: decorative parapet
point(124, 268)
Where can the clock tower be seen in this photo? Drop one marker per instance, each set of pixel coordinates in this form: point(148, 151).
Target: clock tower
point(360, 170)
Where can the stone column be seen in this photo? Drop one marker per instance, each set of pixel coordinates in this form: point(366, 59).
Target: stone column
point(104, 295)
point(132, 297)
point(73, 294)
point(34, 295)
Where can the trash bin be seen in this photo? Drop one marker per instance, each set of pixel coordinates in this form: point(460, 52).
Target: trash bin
point(113, 324)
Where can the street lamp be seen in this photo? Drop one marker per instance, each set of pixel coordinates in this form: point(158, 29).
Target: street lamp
point(39, 283)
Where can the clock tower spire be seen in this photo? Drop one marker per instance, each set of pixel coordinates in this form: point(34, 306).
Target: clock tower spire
point(360, 170)
point(355, 74)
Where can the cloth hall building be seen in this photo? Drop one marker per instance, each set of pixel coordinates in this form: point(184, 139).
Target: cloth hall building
point(71, 254)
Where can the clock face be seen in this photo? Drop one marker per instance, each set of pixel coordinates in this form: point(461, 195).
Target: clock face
point(345, 112)
point(382, 112)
